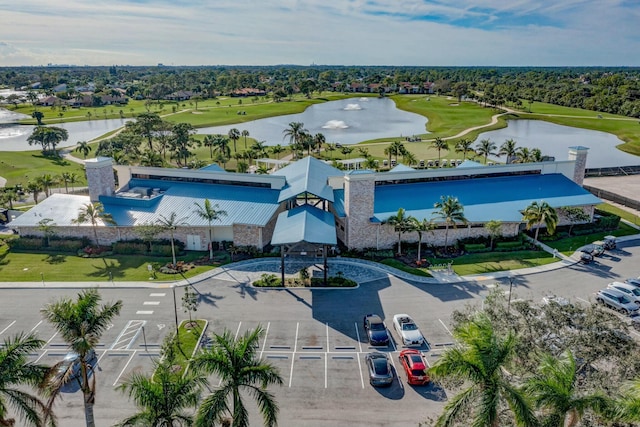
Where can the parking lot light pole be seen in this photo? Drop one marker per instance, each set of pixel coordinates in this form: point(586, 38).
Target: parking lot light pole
point(510, 290)
point(175, 311)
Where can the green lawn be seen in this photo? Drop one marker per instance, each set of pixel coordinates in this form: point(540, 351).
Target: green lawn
point(634, 219)
point(569, 245)
point(18, 167)
point(490, 262)
point(28, 267)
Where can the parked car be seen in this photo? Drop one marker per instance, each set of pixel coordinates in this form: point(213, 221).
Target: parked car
point(415, 366)
point(586, 258)
point(610, 242)
point(633, 292)
point(380, 372)
point(408, 330)
point(376, 330)
point(633, 281)
point(593, 249)
point(616, 300)
point(69, 368)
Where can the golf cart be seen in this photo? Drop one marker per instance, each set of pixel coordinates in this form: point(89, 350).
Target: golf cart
point(609, 242)
point(586, 258)
point(595, 248)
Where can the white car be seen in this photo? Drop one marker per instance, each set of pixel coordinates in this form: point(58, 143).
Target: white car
point(633, 292)
point(635, 281)
point(408, 330)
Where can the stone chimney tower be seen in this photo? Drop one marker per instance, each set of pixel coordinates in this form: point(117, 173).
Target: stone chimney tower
point(100, 177)
point(579, 154)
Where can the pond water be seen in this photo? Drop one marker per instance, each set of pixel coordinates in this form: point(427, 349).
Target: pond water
point(347, 121)
point(555, 140)
point(14, 137)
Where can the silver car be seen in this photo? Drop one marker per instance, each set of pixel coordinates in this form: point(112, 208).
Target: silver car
point(633, 292)
point(380, 371)
point(616, 300)
point(635, 281)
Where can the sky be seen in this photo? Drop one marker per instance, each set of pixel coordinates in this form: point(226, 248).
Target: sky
point(326, 32)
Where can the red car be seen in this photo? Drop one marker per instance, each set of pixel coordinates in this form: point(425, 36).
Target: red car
point(415, 366)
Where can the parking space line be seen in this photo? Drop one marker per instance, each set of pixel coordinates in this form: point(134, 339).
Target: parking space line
point(583, 300)
point(125, 367)
point(36, 327)
point(445, 327)
point(151, 303)
point(360, 370)
point(158, 294)
point(358, 335)
point(10, 325)
point(128, 335)
point(326, 355)
point(266, 334)
point(293, 356)
point(144, 312)
point(237, 332)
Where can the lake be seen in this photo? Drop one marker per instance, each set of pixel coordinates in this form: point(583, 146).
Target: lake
point(347, 121)
point(555, 140)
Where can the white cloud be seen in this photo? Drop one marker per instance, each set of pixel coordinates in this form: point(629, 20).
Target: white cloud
point(583, 32)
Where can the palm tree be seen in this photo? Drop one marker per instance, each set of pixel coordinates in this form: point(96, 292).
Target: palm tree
point(46, 181)
point(538, 214)
point(486, 148)
point(209, 213)
point(318, 140)
point(536, 155)
point(234, 135)
point(481, 359)
point(236, 362)
point(401, 224)
point(170, 224)
point(555, 390)
point(93, 213)
point(523, 155)
point(162, 397)
point(397, 148)
point(84, 148)
point(34, 187)
point(81, 324)
point(451, 211)
point(245, 134)
point(15, 372)
point(259, 148)
point(209, 141)
point(421, 227)
point(440, 144)
point(508, 149)
point(294, 132)
point(494, 227)
point(277, 149)
point(331, 147)
point(627, 405)
point(464, 146)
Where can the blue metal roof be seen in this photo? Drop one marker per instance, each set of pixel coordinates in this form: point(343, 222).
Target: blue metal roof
point(484, 199)
point(212, 168)
point(308, 175)
point(469, 164)
point(243, 204)
point(402, 168)
point(305, 224)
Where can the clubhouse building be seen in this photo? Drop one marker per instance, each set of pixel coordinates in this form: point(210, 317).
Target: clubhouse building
point(309, 202)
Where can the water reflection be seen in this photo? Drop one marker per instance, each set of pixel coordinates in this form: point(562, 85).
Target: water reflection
point(555, 140)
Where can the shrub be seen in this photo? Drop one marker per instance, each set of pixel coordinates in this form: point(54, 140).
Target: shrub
point(607, 220)
point(67, 245)
point(130, 247)
point(27, 243)
point(268, 281)
point(476, 248)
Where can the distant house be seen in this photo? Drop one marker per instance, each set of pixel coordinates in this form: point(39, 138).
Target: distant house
point(49, 101)
point(181, 95)
point(248, 91)
point(114, 100)
point(60, 88)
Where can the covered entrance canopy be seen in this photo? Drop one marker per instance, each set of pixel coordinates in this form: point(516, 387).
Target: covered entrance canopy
point(305, 224)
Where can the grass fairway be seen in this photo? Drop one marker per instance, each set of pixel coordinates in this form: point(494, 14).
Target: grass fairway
point(18, 167)
point(27, 267)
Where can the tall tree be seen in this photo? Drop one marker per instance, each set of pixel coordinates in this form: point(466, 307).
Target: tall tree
point(236, 362)
point(509, 150)
point(450, 211)
point(208, 212)
point(464, 146)
point(182, 141)
point(294, 132)
point(94, 214)
point(277, 149)
point(481, 359)
point(170, 224)
point(574, 214)
point(421, 227)
point(486, 148)
point(555, 390)
point(537, 214)
point(234, 135)
point(47, 181)
point(401, 223)
point(16, 372)
point(48, 137)
point(245, 134)
point(494, 227)
point(163, 397)
point(38, 115)
point(81, 324)
point(146, 125)
point(84, 148)
point(439, 144)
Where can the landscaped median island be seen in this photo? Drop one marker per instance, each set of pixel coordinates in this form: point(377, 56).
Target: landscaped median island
point(304, 281)
point(181, 348)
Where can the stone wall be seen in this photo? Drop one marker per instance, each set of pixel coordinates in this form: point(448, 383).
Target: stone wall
point(100, 178)
point(360, 232)
point(579, 155)
point(247, 235)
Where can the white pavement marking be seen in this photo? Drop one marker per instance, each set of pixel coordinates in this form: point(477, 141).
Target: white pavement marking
point(264, 344)
point(583, 300)
point(358, 335)
point(326, 355)
point(36, 327)
point(293, 356)
point(360, 369)
point(144, 312)
point(235, 339)
point(151, 303)
point(128, 335)
point(445, 327)
point(125, 367)
point(10, 325)
point(157, 294)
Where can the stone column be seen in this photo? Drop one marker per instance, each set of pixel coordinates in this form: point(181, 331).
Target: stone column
point(358, 205)
point(100, 177)
point(579, 155)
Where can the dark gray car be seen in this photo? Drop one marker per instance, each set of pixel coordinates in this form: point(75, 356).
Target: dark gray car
point(380, 371)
